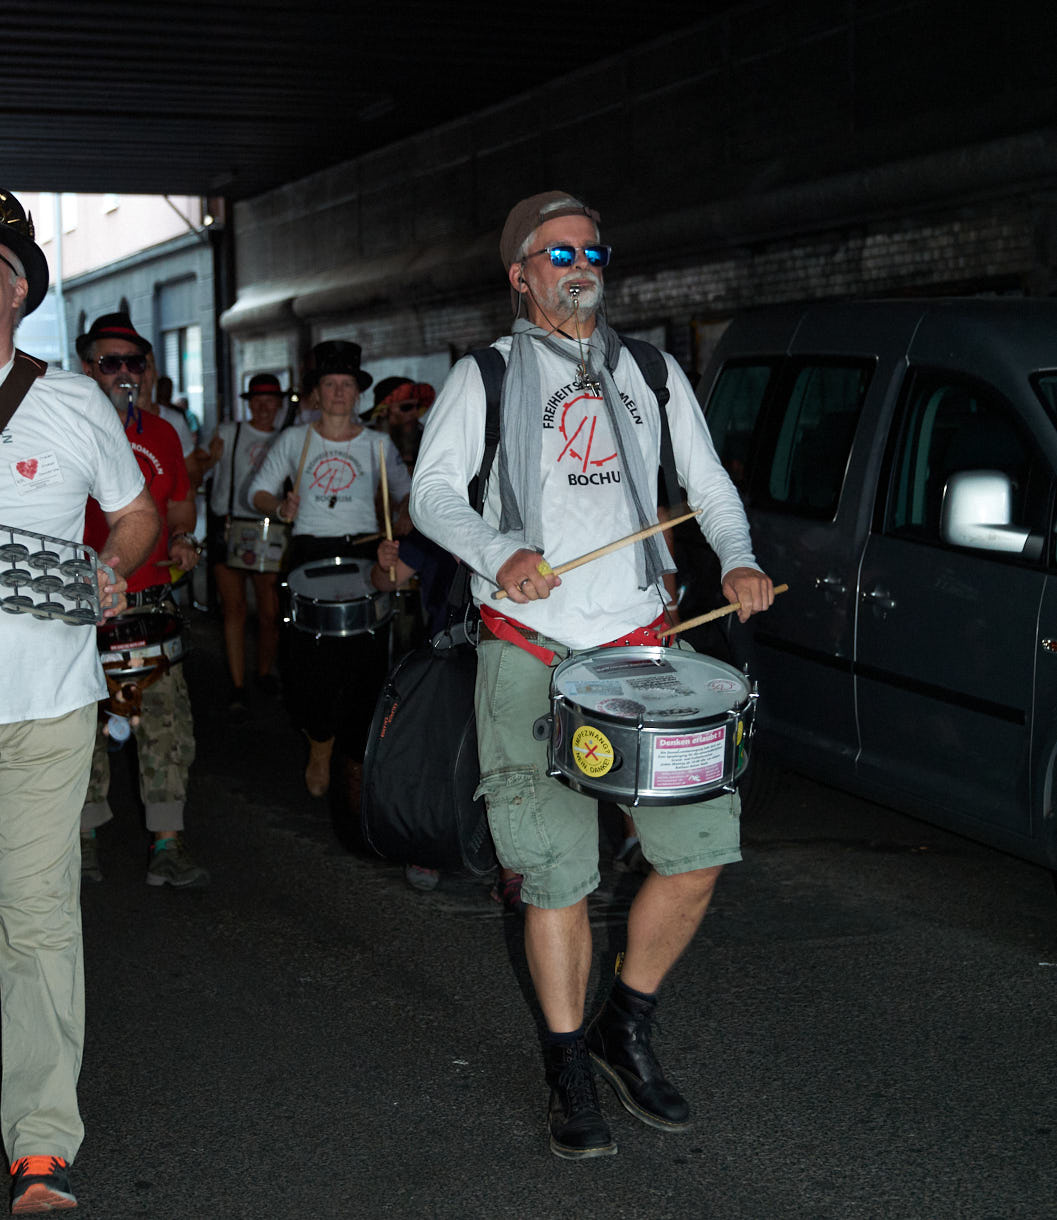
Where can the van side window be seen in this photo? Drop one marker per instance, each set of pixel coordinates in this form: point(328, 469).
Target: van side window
point(734, 409)
point(819, 412)
point(949, 425)
point(784, 429)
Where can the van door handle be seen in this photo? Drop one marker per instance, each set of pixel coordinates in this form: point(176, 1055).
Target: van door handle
point(831, 584)
point(881, 598)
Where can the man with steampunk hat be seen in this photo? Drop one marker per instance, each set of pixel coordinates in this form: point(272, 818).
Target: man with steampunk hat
point(60, 442)
point(399, 405)
point(335, 467)
point(576, 468)
point(114, 354)
point(236, 452)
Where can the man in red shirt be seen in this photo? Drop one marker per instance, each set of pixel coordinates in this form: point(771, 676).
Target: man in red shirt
point(115, 355)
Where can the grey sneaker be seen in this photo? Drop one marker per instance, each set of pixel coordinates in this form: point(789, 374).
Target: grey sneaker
point(90, 870)
point(171, 864)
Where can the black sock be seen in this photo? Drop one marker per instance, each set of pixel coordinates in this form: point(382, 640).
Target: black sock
point(570, 1039)
point(650, 998)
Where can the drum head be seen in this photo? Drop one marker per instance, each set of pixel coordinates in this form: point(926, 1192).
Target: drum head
point(647, 685)
point(338, 579)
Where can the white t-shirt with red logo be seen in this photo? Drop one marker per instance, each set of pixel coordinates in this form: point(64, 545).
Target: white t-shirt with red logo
point(63, 444)
point(339, 481)
point(249, 453)
point(584, 501)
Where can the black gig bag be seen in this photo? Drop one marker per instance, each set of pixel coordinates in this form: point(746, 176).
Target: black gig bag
point(421, 770)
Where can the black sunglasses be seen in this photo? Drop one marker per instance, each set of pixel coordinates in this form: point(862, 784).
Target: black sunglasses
point(112, 364)
point(565, 256)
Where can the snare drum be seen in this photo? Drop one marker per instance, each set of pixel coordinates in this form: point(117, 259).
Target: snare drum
point(139, 640)
point(137, 649)
point(256, 545)
point(335, 597)
point(648, 725)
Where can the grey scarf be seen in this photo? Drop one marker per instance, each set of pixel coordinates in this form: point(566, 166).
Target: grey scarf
point(521, 441)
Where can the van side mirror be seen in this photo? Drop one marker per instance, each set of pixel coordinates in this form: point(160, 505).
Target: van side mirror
point(977, 511)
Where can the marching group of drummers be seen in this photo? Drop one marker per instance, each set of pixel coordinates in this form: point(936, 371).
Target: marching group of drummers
point(580, 695)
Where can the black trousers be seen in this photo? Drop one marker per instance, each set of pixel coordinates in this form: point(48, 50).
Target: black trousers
point(332, 683)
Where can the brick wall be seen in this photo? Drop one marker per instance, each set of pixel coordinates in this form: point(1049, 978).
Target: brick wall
point(775, 152)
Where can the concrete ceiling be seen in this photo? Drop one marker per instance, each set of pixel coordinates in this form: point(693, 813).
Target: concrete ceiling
point(212, 98)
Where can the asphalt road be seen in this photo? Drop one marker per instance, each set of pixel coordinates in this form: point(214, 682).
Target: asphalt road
point(866, 1026)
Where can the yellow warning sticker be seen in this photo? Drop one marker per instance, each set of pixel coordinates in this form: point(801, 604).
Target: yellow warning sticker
point(592, 751)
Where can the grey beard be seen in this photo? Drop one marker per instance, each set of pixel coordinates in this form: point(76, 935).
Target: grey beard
point(588, 299)
point(119, 395)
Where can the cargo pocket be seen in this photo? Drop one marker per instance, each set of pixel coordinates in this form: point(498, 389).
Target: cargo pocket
point(521, 840)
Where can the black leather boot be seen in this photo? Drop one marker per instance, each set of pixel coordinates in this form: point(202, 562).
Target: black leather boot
point(619, 1042)
point(575, 1119)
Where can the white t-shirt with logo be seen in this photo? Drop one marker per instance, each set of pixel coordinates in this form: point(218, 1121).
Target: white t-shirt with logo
point(64, 443)
point(339, 481)
point(584, 502)
point(250, 451)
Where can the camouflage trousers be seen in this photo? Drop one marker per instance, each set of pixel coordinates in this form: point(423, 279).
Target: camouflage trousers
point(165, 743)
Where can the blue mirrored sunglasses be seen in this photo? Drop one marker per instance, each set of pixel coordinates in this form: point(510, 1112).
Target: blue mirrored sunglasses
point(565, 256)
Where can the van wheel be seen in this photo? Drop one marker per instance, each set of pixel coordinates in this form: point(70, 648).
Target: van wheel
point(759, 784)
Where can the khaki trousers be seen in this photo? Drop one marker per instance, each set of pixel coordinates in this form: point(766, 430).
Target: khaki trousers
point(44, 766)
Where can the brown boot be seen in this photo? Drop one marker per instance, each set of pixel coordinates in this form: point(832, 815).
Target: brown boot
point(317, 773)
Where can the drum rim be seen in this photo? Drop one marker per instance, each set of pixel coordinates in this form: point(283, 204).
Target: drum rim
point(651, 722)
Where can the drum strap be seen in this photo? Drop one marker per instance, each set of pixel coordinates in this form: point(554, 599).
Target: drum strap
point(234, 452)
point(126, 697)
point(24, 372)
point(513, 632)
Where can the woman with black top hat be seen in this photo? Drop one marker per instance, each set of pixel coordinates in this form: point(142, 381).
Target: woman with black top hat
point(335, 467)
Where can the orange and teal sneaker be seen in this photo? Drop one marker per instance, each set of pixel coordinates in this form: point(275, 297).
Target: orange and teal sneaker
point(42, 1184)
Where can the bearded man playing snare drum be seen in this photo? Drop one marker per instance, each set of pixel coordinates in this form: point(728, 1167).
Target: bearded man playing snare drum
point(577, 468)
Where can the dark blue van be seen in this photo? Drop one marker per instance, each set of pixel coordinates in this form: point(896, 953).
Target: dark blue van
point(898, 462)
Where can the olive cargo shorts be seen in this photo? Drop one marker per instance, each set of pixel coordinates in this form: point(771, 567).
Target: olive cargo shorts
point(545, 830)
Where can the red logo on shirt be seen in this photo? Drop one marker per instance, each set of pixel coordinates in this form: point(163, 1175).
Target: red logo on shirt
point(28, 468)
point(333, 474)
point(578, 422)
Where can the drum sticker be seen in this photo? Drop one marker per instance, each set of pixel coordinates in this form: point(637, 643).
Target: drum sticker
point(689, 759)
point(629, 709)
point(598, 689)
point(31, 473)
point(592, 751)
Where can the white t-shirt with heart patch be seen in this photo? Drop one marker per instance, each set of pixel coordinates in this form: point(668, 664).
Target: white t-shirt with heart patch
point(64, 443)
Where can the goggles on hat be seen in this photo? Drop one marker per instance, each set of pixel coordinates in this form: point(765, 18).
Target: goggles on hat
point(564, 256)
point(112, 363)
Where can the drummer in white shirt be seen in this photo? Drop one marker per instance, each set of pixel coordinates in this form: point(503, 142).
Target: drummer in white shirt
point(241, 544)
point(335, 471)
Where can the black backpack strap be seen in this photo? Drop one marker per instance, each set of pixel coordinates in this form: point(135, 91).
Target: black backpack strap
point(25, 370)
point(234, 447)
point(492, 367)
point(654, 369)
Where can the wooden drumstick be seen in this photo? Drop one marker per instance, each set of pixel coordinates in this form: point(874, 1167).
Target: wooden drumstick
point(304, 458)
point(385, 502)
point(712, 614)
point(544, 568)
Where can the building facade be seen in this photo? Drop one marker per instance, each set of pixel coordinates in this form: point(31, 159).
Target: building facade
point(152, 256)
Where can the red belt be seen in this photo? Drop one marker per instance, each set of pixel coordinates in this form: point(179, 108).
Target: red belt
point(509, 629)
